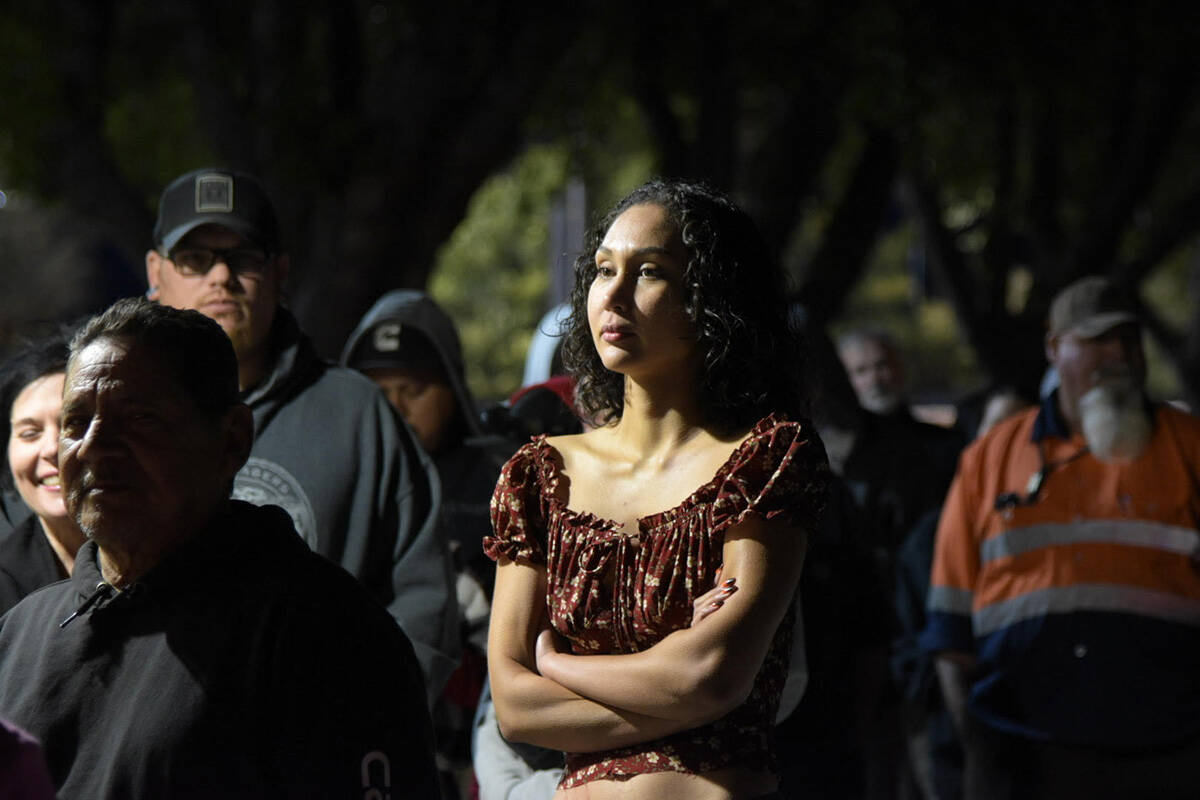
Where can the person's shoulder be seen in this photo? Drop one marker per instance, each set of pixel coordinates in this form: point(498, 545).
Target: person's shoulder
point(348, 395)
point(1001, 438)
point(1178, 417)
point(335, 379)
point(41, 609)
point(778, 435)
point(297, 575)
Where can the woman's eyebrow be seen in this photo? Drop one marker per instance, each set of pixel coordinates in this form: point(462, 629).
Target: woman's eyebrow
point(641, 251)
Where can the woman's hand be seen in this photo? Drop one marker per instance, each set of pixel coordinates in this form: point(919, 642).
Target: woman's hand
point(714, 598)
point(550, 644)
point(547, 646)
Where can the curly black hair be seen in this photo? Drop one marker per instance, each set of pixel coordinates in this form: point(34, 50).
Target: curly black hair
point(735, 294)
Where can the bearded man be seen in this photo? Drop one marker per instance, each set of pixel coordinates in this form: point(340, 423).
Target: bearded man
point(1065, 603)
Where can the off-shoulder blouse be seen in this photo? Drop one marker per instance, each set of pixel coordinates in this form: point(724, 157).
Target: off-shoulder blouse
point(610, 591)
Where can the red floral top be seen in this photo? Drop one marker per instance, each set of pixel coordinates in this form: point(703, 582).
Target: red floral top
point(613, 592)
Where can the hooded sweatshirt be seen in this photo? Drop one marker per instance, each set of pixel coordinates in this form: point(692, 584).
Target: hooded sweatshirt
point(468, 467)
point(331, 452)
point(241, 665)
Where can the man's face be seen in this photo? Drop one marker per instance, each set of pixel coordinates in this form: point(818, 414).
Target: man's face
point(427, 403)
point(241, 301)
point(1085, 363)
point(875, 374)
point(137, 458)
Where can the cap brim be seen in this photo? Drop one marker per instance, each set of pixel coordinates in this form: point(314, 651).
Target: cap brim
point(1101, 323)
point(224, 220)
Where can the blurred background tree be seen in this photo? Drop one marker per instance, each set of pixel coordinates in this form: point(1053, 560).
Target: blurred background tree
point(942, 171)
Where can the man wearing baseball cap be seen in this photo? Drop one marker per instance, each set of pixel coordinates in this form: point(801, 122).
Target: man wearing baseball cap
point(328, 448)
point(1065, 602)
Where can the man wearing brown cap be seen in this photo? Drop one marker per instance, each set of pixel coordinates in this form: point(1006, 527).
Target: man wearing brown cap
point(1065, 602)
point(328, 448)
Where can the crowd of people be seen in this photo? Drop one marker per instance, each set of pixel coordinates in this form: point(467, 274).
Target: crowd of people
point(233, 569)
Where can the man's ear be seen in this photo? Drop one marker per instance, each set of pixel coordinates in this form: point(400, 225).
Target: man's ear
point(153, 269)
point(238, 430)
point(1051, 348)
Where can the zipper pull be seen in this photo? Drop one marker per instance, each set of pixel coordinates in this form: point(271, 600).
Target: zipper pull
point(103, 590)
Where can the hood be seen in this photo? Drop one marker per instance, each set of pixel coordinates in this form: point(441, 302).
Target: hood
point(418, 310)
point(294, 367)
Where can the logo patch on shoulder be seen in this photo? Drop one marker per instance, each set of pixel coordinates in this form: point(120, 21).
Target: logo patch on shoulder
point(214, 193)
point(264, 482)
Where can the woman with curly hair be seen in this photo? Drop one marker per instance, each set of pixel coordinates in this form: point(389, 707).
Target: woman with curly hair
point(695, 491)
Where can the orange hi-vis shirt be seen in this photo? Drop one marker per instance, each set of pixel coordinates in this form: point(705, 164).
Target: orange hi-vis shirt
point(1082, 605)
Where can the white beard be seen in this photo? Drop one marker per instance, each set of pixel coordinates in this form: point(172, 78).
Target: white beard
point(1114, 419)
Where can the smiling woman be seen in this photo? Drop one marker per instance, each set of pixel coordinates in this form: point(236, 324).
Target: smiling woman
point(643, 612)
point(42, 549)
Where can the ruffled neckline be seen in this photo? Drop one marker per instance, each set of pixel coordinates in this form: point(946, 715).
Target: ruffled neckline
point(548, 458)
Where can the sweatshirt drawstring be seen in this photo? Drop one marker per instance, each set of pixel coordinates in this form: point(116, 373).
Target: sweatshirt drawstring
point(103, 590)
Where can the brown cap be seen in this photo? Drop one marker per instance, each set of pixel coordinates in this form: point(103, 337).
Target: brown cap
point(1089, 307)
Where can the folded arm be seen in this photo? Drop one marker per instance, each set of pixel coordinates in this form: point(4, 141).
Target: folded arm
point(532, 708)
point(700, 673)
point(693, 676)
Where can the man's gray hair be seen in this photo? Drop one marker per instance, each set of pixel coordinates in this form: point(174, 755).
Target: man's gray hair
point(193, 347)
point(856, 337)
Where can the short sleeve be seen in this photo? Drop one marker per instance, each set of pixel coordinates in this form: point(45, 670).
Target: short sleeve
point(779, 472)
point(518, 516)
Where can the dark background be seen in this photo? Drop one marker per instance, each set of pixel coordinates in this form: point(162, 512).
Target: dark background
point(1022, 144)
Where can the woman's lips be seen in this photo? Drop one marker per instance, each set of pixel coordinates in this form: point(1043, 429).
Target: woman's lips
point(615, 333)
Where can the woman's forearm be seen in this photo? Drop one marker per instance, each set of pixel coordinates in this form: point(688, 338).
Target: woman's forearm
point(700, 673)
point(532, 708)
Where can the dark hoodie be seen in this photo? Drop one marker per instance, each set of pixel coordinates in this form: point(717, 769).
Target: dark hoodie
point(330, 451)
point(240, 666)
point(467, 467)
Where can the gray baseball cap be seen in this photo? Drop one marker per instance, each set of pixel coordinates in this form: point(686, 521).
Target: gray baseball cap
point(212, 196)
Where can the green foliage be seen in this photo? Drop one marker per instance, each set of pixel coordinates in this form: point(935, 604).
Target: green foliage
point(492, 275)
point(30, 97)
point(154, 133)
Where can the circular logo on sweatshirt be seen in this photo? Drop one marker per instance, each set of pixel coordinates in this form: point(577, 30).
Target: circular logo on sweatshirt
point(264, 483)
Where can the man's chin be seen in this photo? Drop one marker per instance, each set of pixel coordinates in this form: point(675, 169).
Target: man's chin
point(1115, 423)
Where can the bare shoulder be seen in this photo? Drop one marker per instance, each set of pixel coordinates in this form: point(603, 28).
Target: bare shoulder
point(581, 448)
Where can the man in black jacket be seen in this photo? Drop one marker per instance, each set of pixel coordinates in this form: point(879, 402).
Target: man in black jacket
point(199, 648)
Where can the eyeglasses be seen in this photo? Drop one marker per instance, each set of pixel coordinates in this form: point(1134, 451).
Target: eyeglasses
point(195, 262)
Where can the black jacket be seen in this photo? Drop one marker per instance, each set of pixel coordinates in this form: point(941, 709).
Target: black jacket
point(241, 666)
point(27, 562)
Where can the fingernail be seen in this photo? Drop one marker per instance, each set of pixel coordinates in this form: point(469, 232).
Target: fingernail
point(718, 603)
point(730, 582)
point(728, 590)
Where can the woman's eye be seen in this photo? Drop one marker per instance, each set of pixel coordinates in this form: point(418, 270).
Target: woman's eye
point(603, 270)
point(29, 434)
point(650, 271)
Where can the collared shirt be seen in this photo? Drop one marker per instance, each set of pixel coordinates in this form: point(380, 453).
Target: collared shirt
point(1082, 606)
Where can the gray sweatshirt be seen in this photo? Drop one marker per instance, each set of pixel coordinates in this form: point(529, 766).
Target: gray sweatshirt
point(331, 452)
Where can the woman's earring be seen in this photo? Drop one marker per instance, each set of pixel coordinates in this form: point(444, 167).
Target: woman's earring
point(152, 293)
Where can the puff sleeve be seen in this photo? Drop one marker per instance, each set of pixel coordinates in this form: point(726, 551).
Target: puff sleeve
point(780, 471)
point(517, 510)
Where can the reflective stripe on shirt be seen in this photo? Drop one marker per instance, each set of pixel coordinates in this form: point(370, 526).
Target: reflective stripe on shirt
point(1132, 532)
point(1087, 597)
